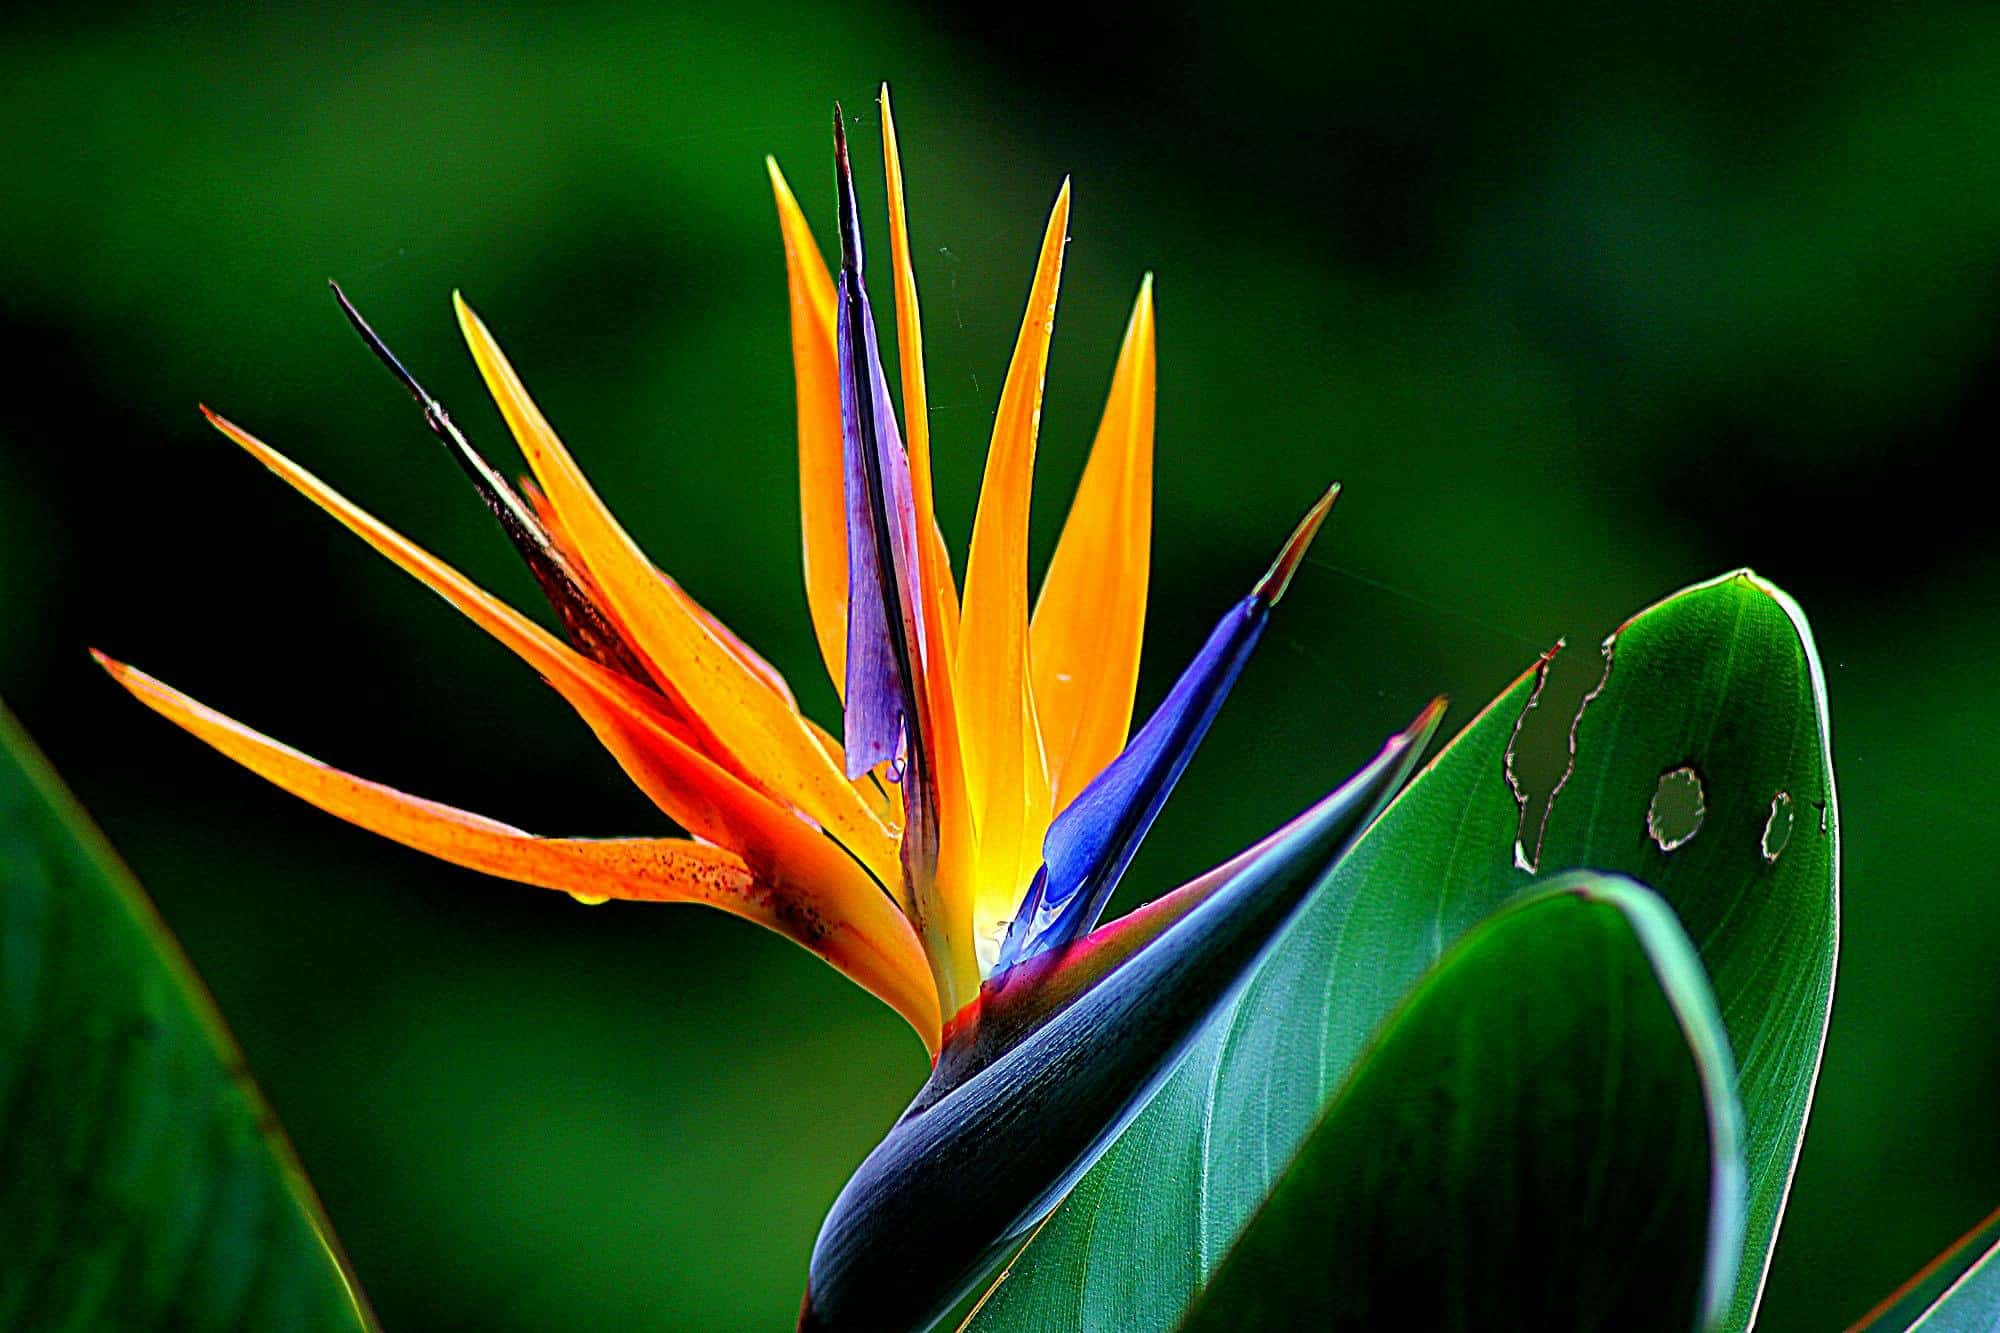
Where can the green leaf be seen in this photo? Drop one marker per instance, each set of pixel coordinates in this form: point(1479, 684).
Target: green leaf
point(1721, 678)
point(1969, 1305)
point(1937, 1289)
point(144, 1183)
point(1558, 1089)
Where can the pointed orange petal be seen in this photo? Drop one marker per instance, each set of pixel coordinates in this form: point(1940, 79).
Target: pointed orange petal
point(736, 712)
point(638, 869)
point(1092, 611)
point(816, 372)
point(949, 894)
point(747, 657)
point(656, 751)
point(1004, 768)
point(940, 592)
point(446, 832)
point(751, 659)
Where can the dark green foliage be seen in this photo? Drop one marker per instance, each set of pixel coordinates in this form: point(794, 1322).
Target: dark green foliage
point(1721, 677)
point(1544, 1136)
point(144, 1183)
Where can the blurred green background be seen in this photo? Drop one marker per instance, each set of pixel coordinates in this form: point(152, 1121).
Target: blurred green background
point(1581, 306)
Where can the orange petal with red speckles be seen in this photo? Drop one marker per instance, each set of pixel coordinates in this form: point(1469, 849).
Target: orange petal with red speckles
point(737, 713)
point(658, 752)
point(636, 869)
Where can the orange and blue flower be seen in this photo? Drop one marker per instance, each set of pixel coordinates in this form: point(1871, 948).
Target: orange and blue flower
point(953, 849)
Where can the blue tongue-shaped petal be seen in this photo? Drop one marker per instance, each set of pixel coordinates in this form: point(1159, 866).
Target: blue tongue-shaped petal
point(880, 719)
point(1092, 841)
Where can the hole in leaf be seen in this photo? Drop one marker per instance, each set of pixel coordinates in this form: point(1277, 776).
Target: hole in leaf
point(1542, 754)
point(1778, 828)
point(1678, 808)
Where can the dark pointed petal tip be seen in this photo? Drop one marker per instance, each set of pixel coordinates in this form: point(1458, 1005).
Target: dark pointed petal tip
point(377, 346)
point(1090, 843)
point(1278, 577)
point(850, 214)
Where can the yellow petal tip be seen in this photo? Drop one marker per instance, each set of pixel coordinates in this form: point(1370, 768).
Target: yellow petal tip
point(1142, 310)
point(224, 424)
point(1433, 714)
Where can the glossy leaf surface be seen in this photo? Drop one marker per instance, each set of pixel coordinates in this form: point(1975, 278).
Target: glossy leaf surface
point(1545, 1135)
point(1969, 1305)
point(1963, 1280)
point(144, 1182)
point(1721, 678)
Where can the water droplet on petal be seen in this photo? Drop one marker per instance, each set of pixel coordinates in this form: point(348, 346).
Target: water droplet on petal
point(1678, 808)
point(590, 899)
point(1778, 828)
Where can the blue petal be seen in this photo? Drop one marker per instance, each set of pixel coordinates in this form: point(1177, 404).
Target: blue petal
point(978, 1161)
point(880, 716)
point(1091, 842)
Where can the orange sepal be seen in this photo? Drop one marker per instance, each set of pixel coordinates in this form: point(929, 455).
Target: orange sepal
point(655, 750)
point(1091, 615)
point(939, 591)
point(948, 894)
point(736, 711)
point(751, 659)
point(1004, 767)
point(890, 964)
point(822, 478)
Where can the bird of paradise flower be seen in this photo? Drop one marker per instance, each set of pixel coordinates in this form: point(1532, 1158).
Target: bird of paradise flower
point(953, 849)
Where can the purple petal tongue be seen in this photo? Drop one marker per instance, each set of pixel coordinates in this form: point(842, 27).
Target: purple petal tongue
point(1092, 841)
point(880, 718)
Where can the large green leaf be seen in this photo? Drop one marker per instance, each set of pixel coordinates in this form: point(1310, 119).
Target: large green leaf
point(1544, 1136)
point(1721, 678)
point(1968, 1274)
point(144, 1183)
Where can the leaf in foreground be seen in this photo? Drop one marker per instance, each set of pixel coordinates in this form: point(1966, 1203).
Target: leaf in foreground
point(1971, 1304)
point(1721, 680)
point(1557, 1086)
point(1960, 1289)
point(144, 1183)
